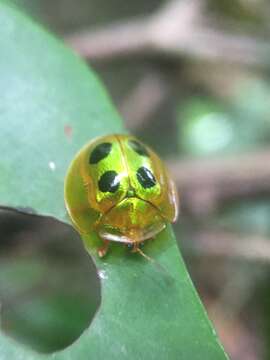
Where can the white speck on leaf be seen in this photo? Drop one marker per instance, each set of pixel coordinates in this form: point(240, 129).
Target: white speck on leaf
point(102, 274)
point(123, 349)
point(52, 165)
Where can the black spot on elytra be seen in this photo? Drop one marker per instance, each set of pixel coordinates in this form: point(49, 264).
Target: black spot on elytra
point(146, 177)
point(138, 147)
point(100, 152)
point(109, 181)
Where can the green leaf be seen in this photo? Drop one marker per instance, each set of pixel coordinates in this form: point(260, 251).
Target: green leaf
point(205, 128)
point(50, 105)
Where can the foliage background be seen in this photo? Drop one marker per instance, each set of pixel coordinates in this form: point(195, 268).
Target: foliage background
point(213, 114)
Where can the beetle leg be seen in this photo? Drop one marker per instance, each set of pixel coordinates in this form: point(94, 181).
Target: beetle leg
point(129, 246)
point(135, 247)
point(102, 251)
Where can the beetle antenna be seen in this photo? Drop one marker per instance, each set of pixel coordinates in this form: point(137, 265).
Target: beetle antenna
point(154, 262)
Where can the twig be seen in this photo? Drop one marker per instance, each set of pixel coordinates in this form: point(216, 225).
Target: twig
point(135, 36)
point(176, 30)
point(112, 41)
point(203, 183)
point(218, 243)
point(144, 100)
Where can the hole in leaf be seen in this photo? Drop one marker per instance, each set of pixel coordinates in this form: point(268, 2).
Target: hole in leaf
point(49, 288)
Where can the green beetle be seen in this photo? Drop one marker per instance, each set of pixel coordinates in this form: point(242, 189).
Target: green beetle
point(119, 187)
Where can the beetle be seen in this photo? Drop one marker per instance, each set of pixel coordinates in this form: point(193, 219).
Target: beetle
point(118, 186)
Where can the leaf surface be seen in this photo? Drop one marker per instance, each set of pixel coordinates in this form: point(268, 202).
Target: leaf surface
point(51, 104)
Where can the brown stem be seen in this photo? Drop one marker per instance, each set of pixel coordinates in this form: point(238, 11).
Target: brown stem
point(218, 243)
point(203, 183)
point(179, 29)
